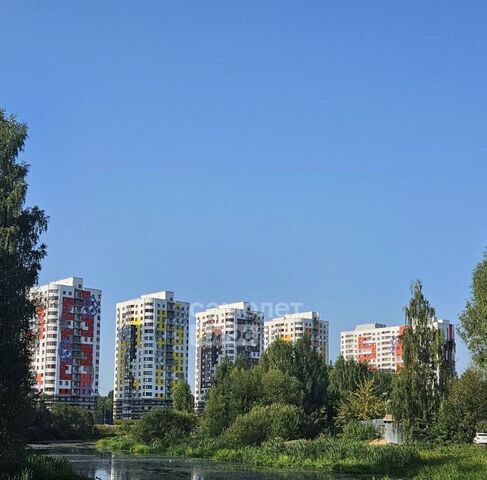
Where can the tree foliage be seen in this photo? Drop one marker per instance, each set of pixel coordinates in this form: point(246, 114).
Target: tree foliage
point(288, 374)
point(104, 408)
point(464, 410)
point(20, 257)
point(235, 390)
point(164, 427)
point(420, 386)
point(473, 320)
point(69, 422)
point(365, 403)
point(264, 423)
point(309, 368)
point(280, 387)
point(347, 375)
point(183, 399)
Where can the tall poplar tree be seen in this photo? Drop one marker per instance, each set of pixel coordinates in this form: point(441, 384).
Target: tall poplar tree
point(421, 384)
point(20, 257)
point(473, 320)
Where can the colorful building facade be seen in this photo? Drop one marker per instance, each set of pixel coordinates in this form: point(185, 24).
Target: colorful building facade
point(66, 352)
point(229, 331)
point(380, 346)
point(293, 326)
point(151, 352)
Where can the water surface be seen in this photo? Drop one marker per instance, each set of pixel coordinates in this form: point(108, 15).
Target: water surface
point(107, 466)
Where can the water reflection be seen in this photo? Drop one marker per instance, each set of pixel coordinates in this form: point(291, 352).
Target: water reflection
point(105, 466)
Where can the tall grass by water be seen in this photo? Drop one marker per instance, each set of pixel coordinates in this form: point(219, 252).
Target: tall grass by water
point(326, 454)
point(42, 467)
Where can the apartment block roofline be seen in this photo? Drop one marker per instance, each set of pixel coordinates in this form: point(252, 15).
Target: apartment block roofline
point(309, 315)
point(241, 305)
point(166, 295)
point(75, 282)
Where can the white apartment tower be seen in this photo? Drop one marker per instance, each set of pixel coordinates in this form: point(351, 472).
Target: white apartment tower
point(66, 353)
point(380, 346)
point(151, 352)
point(227, 331)
point(294, 326)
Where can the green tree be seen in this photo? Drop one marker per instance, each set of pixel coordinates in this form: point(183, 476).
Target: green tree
point(383, 382)
point(279, 387)
point(235, 390)
point(104, 408)
point(278, 356)
point(71, 422)
point(421, 384)
point(347, 375)
point(311, 370)
point(164, 427)
point(473, 320)
point(263, 423)
point(464, 409)
point(20, 262)
point(183, 399)
point(365, 403)
point(300, 361)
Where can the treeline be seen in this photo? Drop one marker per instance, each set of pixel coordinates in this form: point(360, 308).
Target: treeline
point(293, 394)
point(21, 253)
point(66, 422)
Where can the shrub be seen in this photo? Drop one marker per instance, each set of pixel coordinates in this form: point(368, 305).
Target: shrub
point(70, 422)
point(263, 423)
point(41, 467)
point(163, 427)
point(482, 426)
point(354, 430)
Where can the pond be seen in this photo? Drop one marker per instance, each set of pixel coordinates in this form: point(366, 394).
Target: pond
point(106, 466)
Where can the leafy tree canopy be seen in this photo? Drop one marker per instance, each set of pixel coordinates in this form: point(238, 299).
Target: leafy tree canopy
point(183, 399)
point(473, 320)
point(20, 262)
point(421, 384)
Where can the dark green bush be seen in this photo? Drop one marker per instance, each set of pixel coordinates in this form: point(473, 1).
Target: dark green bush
point(163, 427)
point(41, 467)
point(263, 423)
point(71, 423)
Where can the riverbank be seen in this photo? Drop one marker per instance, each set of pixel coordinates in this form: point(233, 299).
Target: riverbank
point(422, 462)
point(43, 467)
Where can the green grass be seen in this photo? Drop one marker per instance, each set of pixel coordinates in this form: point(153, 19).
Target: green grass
point(41, 467)
point(422, 462)
point(326, 454)
point(455, 462)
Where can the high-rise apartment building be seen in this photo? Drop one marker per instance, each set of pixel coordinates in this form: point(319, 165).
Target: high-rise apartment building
point(293, 326)
point(228, 331)
point(151, 352)
point(66, 353)
point(380, 346)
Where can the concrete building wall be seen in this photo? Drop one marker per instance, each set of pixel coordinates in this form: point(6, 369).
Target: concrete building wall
point(66, 353)
point(380, 346)
point(228, 331)
point(293, 326)
point(151, 352)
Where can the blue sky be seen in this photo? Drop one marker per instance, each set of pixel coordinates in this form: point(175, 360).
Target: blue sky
point(321, 152)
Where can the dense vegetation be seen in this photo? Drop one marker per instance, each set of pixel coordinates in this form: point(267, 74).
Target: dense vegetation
point(20, 259)
point(61, 422)
point(473, 320)
point(294, 411)
point(421, 385)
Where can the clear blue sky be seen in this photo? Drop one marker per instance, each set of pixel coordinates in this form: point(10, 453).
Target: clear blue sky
point(321, 152)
